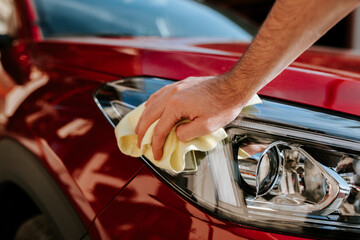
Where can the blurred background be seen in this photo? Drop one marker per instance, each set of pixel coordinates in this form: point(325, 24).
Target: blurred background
point(346, 34)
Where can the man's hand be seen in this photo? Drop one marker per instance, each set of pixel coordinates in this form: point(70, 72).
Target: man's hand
point(208, 102)
point(211, 102)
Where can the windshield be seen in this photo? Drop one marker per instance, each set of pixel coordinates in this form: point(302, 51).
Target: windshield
point(161, 18)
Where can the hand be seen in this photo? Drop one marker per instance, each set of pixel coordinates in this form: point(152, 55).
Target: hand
point(208, 102)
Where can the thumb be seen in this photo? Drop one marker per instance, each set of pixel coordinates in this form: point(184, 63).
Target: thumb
point(196, 128)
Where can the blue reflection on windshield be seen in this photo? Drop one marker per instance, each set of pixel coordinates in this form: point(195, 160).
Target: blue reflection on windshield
point(163, 18)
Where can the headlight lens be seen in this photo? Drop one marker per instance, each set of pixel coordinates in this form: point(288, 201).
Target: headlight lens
point(282, 167)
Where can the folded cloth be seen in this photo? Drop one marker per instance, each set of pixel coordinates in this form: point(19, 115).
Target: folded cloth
point(174, 150)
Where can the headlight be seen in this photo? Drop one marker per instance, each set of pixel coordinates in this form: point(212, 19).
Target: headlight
point(283, 167)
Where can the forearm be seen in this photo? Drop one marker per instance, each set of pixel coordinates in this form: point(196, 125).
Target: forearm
point(291, 27)
point(212, 102)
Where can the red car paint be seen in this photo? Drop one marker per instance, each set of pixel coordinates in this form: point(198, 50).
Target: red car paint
point(145, 217)
point(116, 196)
point(177, 60)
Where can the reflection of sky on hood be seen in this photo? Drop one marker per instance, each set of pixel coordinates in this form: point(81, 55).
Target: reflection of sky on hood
point(300, 117)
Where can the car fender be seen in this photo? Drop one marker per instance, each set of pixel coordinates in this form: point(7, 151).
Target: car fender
point(20, 166)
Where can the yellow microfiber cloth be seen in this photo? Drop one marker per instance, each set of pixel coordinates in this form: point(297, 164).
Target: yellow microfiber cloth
point(174, 150)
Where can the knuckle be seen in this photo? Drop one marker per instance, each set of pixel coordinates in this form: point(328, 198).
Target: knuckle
point(207, 129)
point(208, 125)
point(141, 130)
point(140, 135)
point(152, 96)
point(167, 87)
point(146, 114)
point(181, 135)
point(156, 147)
point(174, 101)
point(176, 88)
point(158, 136)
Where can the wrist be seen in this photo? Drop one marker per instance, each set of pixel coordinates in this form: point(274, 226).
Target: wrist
point(239, 87)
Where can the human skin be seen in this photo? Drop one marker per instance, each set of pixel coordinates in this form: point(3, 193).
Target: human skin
point(210, 103)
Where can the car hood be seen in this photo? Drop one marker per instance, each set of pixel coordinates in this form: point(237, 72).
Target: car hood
point(320, 77)
point(324, 59)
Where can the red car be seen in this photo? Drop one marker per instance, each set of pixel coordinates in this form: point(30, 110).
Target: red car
point(71, 69)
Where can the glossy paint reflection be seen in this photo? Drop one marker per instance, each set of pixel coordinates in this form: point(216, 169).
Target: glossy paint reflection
point(72, 139)
point(148, 209)
point(96, 169)
point(164, 57)
point(13, 95)
point(59, 123)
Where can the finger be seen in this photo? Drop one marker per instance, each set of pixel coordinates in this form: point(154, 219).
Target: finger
point(153, 97)
point(161, 131)
point(196, 128)
point(161, 94)
point(139, 123)
point(145, 114)
point(149, 115)
point(156, 101)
